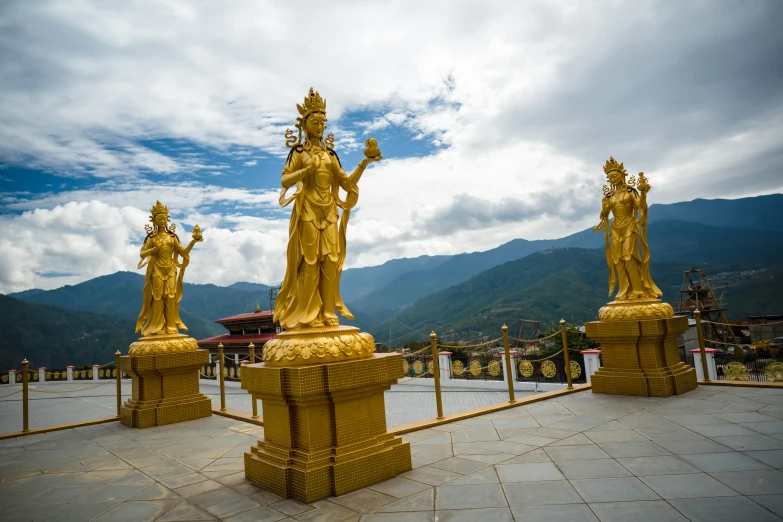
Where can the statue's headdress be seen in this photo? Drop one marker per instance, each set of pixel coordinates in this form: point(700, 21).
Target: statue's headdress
point(312, 103)
point(612, 165)
point(159, 208)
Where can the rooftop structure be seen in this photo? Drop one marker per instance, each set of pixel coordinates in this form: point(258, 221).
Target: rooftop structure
point(697, 294)
point(256, 327)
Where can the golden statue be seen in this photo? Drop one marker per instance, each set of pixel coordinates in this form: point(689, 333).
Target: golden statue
point(316, 244)
point(627, 251)
point(310, 293)
point(159, 318)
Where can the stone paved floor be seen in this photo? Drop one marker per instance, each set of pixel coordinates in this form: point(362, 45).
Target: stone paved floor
point(714, 454)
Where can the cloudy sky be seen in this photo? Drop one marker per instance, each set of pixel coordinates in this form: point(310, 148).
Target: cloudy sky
point(494, 119)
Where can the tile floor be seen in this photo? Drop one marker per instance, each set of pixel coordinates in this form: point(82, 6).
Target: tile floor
point(714, 454)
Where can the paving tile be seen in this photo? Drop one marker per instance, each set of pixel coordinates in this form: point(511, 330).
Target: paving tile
point(490, 458)
point(613, 490)
point(726, 509)
point(734, 461)
point(560, 453)
point(58, 495)
point(599, 468)
point(522, 422)
point(471, 515)
point(112, 493)
point(570, 512)
point(626, 435)
point(139, 511)
point(425, 458)
point(185, 512)
point(291, 506)
point(633, 449)
point(725, 430)
point(745, 417)
point(198, 488)
point(430, 475)
point(423, 501)
point(363, 500)
point(260, 514)
point(184, 480)
point(156, 492)
point(533, 472)
point(485, 476)
point(469, 496)
point(505, 446)
point(325, 511)
point(401, 488)
point(668, 433)
point(532, 440)
point(422, 516)
point(760, 482)
point(688, 486)
point(541, 493)
point(657, 465)
point(27, 513)
point(471, 435)
point(772, 458)
point(701, 445)
point(79, 511)
point(232, 507)
point(637, 511)
point(750, 442)
point(772, 502)
point(575, 440)
point(459, 465)
point(552, 433)
point(766, 428)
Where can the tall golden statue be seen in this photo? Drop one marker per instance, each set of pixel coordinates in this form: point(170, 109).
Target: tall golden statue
point(316, 245)
point(162, 285)
point(627, 251)
point(310, 292)
point(637, 332)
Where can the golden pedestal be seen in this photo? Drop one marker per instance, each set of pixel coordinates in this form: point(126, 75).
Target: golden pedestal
point(165, 387)
point(324, 427)
point(641, 357)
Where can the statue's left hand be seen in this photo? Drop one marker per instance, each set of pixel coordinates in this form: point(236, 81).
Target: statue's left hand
point(367, 161)
point(643, 186)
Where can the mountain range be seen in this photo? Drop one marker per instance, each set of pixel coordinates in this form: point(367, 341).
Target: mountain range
point(465, 295)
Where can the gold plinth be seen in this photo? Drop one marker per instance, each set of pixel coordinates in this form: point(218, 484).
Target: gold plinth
point(324, 427)
point(318, 345)
point(176, 343)
point(165, 389)
point(636, 310)
point(641, 357)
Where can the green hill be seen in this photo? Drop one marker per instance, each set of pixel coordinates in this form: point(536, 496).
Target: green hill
point(547, 286)
point(56, 338)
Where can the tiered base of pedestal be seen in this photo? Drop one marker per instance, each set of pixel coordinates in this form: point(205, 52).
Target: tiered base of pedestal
point(324, 427)
point(641, 358)
point(165, 389)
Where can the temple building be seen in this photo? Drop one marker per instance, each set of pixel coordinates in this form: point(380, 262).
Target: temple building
point(256, 327)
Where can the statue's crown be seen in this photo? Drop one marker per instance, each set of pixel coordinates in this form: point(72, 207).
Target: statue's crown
point(159, 208)
point(612, 165)
point(312, 103)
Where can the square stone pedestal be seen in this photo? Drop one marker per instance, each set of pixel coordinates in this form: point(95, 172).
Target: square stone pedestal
point(165, 389)
point(641, 358)
point(324, 427)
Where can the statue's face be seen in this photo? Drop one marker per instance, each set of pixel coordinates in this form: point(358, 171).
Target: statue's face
point(315, 125)
point(161, 219)
point(615, 178)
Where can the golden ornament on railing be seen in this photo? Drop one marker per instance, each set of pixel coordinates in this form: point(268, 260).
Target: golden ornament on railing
point(457, 368)
point(89, 374)
point(475, 367)
point(231, 373)
point(114, 373)
point(406, 368)
point(5, 378)
point(576, 370)
point(493, 368)
point(525, 368)
point(430, 367)
point(736, 371)
point(100, 374)
point(774, 372)
point(48, 376)
point(418, 367)
point(34, 375)
point(549, 369)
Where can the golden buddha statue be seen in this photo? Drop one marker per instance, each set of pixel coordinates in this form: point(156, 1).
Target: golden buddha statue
point(316, 245)
point(162, 283)
point(627, 251)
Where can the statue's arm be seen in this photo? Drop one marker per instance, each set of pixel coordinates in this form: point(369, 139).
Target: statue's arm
point(293, 173)
point(147, 251)
point(605, 209)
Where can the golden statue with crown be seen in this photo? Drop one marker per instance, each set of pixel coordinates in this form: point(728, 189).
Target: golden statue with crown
point(164, 363)
point(321, 384)
point(638, 333)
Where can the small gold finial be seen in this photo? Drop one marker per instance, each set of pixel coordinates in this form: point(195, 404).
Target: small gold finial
point(562, 322)
point(433, 335)
point(258, 307)
point(25, 363)
point(251, 346)
point(504, 328)
point(372, 150)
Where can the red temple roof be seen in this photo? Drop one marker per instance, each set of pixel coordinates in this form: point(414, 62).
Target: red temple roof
point(239, 317)
point(228, 338)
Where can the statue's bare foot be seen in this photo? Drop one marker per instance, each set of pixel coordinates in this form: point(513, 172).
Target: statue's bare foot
point(332, 322)
point(316, 324)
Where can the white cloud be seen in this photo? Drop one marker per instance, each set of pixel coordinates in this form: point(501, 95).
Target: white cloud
point(252, 163)
point(527, 100)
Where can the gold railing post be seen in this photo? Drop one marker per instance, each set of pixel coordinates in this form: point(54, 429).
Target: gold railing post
point(119, 382)
point(704, 370)
point(222, 368)
point(25, 410)
point(564, 333)
point(252, 348)
point(436, 372)
point(509, 372)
